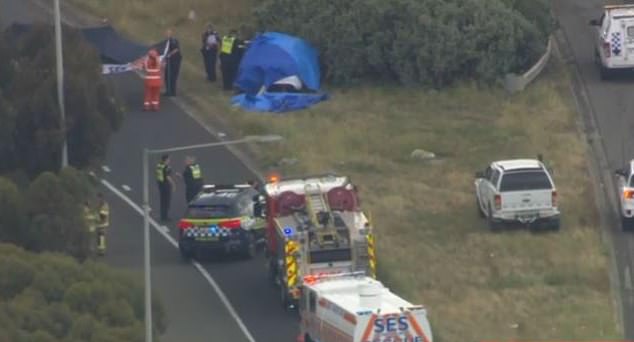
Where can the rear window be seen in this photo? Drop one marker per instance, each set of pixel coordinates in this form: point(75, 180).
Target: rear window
point(210, 211)
point(525, 180)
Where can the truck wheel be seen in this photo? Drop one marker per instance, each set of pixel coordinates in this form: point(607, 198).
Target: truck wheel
point(493, 226)
point(480, 212)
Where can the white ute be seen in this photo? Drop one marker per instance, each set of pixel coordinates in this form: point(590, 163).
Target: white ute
point(357, 308)
point(625, 183)
point(517, 191)
point(614, 39)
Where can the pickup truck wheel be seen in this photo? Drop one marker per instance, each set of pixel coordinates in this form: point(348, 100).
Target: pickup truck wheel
point(479, 208)
point(493, 226)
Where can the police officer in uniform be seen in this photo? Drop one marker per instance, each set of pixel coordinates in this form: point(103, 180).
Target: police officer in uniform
point(192, 176)
point(172, 64)
point(165, 184)
point(229, 59)
point(209, 49)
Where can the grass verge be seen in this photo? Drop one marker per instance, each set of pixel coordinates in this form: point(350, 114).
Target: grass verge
point(432, 247)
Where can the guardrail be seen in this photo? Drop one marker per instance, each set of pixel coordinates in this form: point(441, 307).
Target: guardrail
point(514, 83)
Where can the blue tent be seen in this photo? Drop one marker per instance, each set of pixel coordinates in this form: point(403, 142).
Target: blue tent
point(273, 57)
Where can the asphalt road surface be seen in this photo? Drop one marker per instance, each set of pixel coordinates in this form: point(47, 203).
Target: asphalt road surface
point(196, 310)
point(613, 105)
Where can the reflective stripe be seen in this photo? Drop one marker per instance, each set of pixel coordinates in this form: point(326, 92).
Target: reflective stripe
point(227, 44)
point(195, 171)
point(152, 77)
point(160, 176)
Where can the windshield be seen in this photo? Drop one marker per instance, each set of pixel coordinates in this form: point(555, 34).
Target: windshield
point(525, 180)
point(210, 211)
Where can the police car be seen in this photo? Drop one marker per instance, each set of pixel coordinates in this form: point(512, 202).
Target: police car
point(222, 219)
point(614, 40)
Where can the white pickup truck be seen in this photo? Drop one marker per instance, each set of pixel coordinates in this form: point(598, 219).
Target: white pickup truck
point(625, 184)
point(517, 191)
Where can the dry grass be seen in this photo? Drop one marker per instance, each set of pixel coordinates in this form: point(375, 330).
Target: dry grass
point(432, 247)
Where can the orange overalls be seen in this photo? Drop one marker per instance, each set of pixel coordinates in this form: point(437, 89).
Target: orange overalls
point(153, 81)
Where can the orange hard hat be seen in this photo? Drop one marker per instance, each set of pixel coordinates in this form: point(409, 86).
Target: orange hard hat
point(153, 53)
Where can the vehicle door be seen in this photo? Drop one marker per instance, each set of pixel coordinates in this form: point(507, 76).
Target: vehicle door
point(484, 188)
point(601, 37)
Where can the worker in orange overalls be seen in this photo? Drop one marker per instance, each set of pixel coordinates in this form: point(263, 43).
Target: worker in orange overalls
point(153, 81)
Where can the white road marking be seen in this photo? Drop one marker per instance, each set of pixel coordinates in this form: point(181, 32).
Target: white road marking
point(165, 232)
point(105, 168)
point(126, 188)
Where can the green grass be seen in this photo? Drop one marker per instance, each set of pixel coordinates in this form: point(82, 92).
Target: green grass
point(432, 247)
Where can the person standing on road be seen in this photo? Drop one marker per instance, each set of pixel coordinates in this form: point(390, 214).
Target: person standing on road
point(103, 222)
point(153, 82)
point(210, 42)
point(172, 63)
point(192, 176)
point(166, 185)
point(228, 59)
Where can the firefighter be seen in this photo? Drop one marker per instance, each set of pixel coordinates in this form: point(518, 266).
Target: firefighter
point(229, 59)
point(103, 221)
point(153, 82)
point(91, 222)
point(192, 176)
point(210, 41)
point(166, 185)
point(172, 64)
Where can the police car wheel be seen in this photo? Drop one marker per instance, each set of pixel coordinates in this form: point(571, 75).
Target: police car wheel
point(249, 250)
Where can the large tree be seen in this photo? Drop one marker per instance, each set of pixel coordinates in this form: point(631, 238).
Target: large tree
point(31, 134)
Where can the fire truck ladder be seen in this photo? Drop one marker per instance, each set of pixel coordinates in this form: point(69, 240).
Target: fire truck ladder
point(315, 202)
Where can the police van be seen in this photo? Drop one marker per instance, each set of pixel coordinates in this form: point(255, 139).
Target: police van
point(356, 308)
point(614, 40)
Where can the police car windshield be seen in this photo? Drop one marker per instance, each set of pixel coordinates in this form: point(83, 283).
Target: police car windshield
point(210, 211)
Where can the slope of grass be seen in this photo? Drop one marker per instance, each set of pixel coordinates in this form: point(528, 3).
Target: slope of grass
point(432, 247)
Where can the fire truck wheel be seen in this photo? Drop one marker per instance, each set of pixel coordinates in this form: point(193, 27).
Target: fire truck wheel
point(284, 298)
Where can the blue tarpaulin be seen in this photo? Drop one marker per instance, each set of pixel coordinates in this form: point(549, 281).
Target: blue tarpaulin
point(271, 57)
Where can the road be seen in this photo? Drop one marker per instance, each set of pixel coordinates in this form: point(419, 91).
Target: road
point(612, 105)
point(196, 311)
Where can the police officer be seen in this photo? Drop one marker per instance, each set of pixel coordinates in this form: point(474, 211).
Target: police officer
point(192, 176)
point(210, 41)
point(91, 222)
point(172, 64)
point(165, 184)
point(229, 59)
point(103, 221)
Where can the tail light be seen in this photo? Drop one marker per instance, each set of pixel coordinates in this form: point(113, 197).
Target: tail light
point(183, 224)
point(231, 224)
point(606, 49)
point(498, 202)
point(554, 199)
point(628, 194)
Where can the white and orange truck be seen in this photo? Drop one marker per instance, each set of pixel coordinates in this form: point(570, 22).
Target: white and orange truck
point(315, 226)
point(357, 308)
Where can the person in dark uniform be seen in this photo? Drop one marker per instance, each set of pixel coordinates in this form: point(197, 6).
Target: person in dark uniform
point(228, 59)
point(165, 184)
point(210, 41)
point(172, 64)
point(193, 178)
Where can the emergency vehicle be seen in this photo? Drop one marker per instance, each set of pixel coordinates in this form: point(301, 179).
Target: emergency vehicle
point(614, 39)
point(357, 308)
point(221, 218)
point(315, 226)
point(625, 184)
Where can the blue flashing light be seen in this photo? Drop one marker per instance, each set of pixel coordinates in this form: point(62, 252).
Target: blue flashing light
point(288, 231)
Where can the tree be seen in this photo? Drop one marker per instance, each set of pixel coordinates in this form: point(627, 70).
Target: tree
point(50, 297)
point(12, 214)
point(429, 42)
point(30, 110)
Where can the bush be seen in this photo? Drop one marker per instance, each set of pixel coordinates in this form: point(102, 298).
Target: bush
point(430, 42)
point(100, 309)
point(30, 136)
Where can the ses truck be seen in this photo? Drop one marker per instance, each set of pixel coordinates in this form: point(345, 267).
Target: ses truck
point(357, 308)
point(315, 226)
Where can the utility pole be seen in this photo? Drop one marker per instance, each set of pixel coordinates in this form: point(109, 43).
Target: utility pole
point(60, 81)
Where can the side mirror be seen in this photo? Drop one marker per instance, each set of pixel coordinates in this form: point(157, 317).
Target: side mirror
point(479, 174)
point(258, 206)
point(594, 22)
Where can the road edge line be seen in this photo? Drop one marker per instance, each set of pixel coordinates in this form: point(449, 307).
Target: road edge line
point(210, 280)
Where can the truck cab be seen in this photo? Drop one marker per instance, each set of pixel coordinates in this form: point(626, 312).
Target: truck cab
point(614, 39)
point(517, 191)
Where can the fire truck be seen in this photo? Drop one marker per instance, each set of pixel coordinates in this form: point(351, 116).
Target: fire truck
point(357, 308)
point(315, 226)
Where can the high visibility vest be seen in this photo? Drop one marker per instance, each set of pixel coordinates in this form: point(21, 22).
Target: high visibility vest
point(227, 44)
point(152, 71)
point(104, 215)
point(160, 172)
point(90, 218)
point(196, 174)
